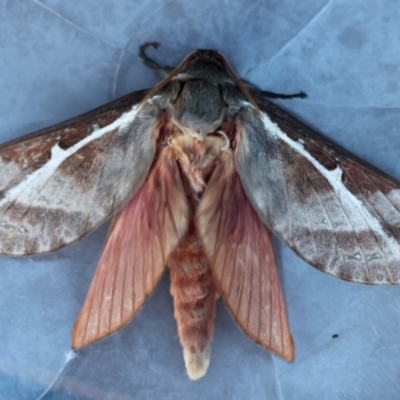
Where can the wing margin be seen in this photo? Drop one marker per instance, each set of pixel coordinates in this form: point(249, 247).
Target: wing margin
point(289, 172)
point(60, 183)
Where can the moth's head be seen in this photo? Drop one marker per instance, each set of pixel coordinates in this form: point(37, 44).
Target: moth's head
point(211, 56)
point(206, 64)
point(211, 65)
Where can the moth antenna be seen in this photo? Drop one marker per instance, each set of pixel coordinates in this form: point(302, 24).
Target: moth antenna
point(162, 71)
point(147, 61)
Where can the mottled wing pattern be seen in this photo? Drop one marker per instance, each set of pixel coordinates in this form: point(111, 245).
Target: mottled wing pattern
point(141, 238)
point(240, 252)
point(338, 213)
point(62, 182)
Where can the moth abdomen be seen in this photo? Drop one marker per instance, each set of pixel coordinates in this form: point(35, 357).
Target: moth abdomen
point(195, 295)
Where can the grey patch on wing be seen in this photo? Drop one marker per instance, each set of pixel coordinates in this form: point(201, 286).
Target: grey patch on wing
point(40, 228)
point(43, 208)
point(336, 212)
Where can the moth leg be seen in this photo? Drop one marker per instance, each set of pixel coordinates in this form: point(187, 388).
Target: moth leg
point(161, 71)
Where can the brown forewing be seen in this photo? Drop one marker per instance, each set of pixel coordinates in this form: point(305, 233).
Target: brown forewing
point(352, 233)
point(52, 210)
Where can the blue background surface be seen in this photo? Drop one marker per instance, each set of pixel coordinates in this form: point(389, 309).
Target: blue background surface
point(61, 58)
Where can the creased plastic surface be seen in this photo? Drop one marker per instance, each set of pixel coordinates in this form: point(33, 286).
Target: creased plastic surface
point(59, 59)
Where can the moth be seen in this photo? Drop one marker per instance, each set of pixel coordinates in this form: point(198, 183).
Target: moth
point(195, 174)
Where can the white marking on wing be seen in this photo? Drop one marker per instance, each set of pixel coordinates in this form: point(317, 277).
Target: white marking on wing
point(56, 150)
point(346, 198)
point(387, 206)
point(259, 197)
point(394, 197)
point(27, 188)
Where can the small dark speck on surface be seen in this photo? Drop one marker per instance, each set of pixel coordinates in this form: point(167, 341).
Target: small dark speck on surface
point(353, 38)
